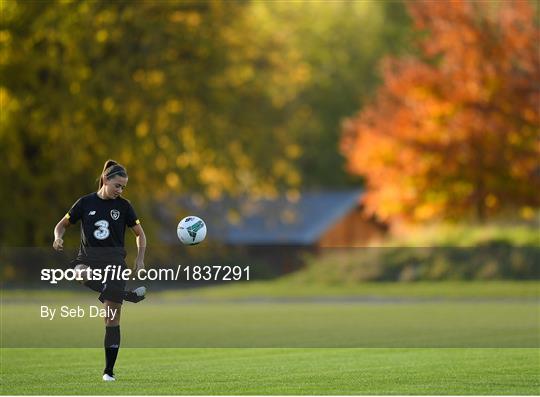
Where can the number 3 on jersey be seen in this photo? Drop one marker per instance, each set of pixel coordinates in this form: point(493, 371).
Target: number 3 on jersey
point(102, 232)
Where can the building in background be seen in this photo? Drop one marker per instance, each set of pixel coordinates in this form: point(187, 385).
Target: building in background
point(281, 230)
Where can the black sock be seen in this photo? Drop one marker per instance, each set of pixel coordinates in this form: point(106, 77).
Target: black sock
point(94, 285)
point(111, 293)
point(112, 345)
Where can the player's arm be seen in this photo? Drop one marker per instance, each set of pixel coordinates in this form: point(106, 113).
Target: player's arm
point(59, 231)
point(140, 239)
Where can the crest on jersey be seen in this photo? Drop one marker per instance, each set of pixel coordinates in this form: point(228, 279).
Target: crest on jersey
point(115, 214)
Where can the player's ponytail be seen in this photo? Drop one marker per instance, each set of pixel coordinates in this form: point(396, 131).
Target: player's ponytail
point(110, 170)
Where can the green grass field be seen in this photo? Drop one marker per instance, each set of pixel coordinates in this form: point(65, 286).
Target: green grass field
point(425, 338)
point(318, 324)
point(274, 371)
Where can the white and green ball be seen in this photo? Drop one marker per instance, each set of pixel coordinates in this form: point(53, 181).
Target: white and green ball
point(191, 230)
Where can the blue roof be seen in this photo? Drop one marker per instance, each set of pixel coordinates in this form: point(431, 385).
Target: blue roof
point(274, 221)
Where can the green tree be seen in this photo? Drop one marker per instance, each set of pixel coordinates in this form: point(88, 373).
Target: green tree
point(185, 94)
point(341, 43)
point(215, 97)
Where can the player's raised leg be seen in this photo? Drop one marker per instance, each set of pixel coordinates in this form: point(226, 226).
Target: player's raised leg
point(137, 295)
point(84, 278)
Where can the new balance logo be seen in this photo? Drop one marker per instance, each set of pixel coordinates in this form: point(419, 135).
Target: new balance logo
point(92, 213)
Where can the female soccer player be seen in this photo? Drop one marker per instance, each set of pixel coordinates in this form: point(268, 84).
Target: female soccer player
point(104, 216)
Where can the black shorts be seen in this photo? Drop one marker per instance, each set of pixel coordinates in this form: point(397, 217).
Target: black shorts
point(113, 287)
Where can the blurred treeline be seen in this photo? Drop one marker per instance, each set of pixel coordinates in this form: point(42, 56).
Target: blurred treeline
point(433, 253)
point(216, 97)
point(493, 261)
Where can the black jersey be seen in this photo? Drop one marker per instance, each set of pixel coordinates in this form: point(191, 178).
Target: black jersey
point(103, 226)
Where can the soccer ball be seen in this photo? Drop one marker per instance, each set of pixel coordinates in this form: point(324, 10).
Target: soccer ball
point(191, 230)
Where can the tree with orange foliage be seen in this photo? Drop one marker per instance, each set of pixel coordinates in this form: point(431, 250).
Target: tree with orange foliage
point(454, 130)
